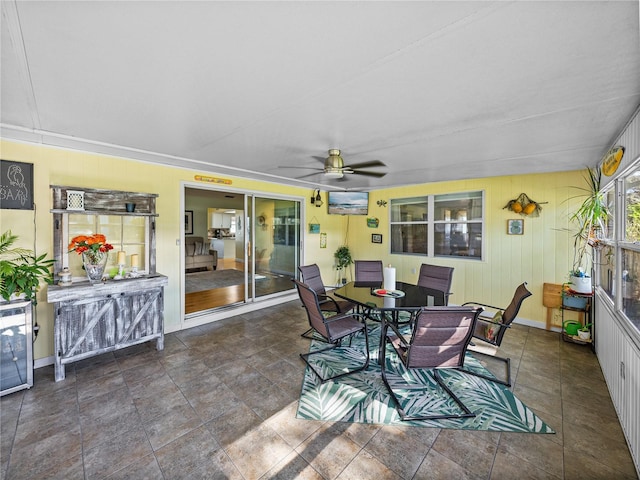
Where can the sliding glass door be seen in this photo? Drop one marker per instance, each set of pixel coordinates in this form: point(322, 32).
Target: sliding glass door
point(274, 249)
point(256, 242)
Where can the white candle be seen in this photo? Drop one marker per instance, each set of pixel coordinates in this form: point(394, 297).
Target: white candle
point(389, 278)
point(388, 302)
point(122, 257)
point(134, 260)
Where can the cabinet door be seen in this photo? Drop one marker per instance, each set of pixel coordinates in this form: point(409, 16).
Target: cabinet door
point(226, 220)
point(141, 316)
point(16, 343)
point(216, 220)
point(100, 324)
point(86, 325)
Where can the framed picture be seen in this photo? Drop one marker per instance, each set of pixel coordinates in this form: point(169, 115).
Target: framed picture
point(515, 227)
point(16, 184)
point(323, 240)
point(376, 238)
point(188, 222)
point(314, 228)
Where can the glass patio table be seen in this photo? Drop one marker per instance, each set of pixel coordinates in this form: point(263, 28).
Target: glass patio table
point(411, 299)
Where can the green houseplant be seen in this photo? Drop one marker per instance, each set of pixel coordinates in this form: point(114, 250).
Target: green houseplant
point(343, 260)
point(20, 270)
point(589, 221)
point(585, 332)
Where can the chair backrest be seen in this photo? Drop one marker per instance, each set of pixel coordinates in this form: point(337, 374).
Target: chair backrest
point(441, 336)
point(309, 300)
point(369, 271)
point(436, 277)
point(311, 277)
point(510, 313)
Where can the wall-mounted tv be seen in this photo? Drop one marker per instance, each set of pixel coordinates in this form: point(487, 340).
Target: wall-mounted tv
point(348, 203)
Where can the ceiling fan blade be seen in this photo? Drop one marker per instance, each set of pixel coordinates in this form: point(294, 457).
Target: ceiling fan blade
point(310, 175)
point(371, 163)
point(306, 168)
point(369, 174)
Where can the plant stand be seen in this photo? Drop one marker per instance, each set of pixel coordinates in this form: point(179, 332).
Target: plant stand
point(581, 303)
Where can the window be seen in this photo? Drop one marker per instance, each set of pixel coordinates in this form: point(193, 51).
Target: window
point(630, 246)
point(438, 225)
point(409, 225)
point(632, 206)
point(618, 262)
point(125, 233)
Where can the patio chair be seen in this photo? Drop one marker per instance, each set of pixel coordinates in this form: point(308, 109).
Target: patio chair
point(310, 275)
point(439, 340)
point(436, 277)
point(333, 329)
point(491, 329)
point(369, 273)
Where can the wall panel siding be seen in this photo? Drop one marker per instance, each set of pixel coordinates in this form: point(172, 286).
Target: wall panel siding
point(617, 342)
point(542, 254)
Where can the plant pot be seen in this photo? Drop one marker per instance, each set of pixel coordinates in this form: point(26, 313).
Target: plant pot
point(574, 302)
point(581, 284)
point(584, 334)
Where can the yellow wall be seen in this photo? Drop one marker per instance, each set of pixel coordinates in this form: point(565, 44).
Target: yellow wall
point(54, 166)
point(540, 255)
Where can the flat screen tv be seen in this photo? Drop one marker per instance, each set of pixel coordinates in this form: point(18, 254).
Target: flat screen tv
point(348, 203)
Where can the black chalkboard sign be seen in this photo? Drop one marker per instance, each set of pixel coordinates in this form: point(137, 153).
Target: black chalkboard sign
point(16, 185)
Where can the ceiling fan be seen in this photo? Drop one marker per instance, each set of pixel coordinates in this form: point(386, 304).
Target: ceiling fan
point(334, 167)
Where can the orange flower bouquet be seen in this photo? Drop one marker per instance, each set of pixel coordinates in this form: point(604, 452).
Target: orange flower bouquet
point(92, 246)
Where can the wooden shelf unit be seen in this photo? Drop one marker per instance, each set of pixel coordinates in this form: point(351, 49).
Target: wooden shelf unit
point(95, 318)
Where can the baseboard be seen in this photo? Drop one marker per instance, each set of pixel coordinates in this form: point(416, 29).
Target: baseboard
point(43, 362)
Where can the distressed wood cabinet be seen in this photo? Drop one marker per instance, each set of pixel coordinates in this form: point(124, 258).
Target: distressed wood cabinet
point(91, 319)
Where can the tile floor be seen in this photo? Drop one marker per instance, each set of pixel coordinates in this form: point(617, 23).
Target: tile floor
point(220, 402)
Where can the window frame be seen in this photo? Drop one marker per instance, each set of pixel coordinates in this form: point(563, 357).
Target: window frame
point(620, 246)
point(432, 223)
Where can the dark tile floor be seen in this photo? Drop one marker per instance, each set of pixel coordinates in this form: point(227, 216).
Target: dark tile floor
point(220, 402)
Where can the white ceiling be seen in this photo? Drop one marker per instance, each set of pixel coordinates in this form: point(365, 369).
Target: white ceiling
point(435, 90)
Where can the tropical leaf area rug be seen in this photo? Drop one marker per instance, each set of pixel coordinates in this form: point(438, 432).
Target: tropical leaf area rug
point(363, 398)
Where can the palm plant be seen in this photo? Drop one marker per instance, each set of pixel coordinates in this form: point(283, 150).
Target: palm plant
point(20, 270)
point(589, 219)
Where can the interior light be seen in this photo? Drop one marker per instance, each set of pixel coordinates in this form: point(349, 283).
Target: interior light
point(316, 198)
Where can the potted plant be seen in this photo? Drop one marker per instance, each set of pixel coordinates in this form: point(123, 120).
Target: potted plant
point(343, 260)
point(584, 333)
point(589, 219)
point(21, 271)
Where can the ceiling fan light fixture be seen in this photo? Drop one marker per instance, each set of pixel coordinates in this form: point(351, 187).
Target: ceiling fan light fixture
point(333, 173)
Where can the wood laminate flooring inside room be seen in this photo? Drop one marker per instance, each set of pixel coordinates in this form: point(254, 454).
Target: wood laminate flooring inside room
point(220, 297)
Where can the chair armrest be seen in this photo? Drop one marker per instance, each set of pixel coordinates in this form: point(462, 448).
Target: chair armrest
point(490, 320)
point(482, 305)
point(340, 316)
point(403, 341)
